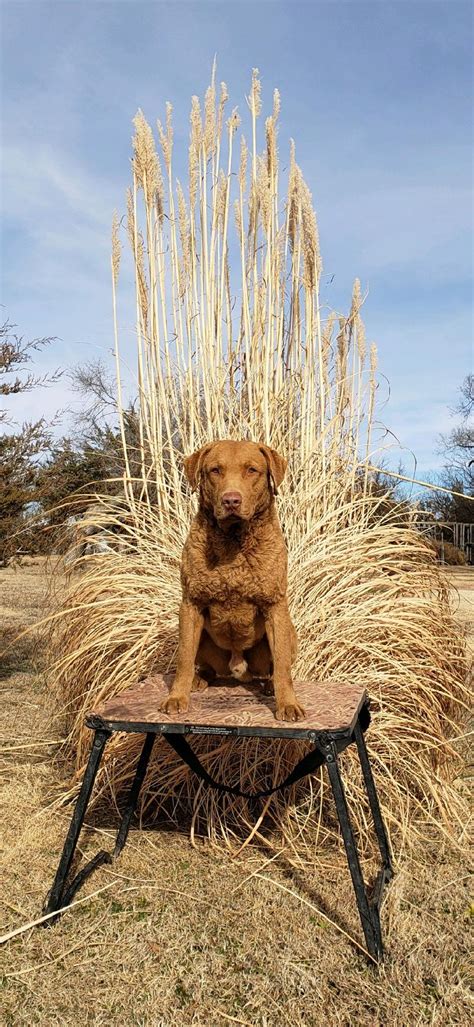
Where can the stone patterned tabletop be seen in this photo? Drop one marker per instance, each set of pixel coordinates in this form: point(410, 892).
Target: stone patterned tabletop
point(235, 708)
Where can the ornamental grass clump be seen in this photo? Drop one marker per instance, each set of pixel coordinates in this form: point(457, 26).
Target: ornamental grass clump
point(232, 343)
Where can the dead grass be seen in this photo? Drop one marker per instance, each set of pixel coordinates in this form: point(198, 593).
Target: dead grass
point(376, 610)
point(462, 579)
point(190, 936)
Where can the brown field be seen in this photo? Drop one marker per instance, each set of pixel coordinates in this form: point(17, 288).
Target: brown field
point(185, 935)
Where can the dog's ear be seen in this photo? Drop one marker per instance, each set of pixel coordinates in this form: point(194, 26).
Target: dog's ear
point(193, 463)
point(276, 465)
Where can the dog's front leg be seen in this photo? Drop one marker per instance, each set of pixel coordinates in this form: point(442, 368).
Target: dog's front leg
point(191, 623)
point(280, 634)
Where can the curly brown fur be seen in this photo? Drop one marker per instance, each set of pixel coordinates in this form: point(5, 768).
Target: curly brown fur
point(234, 616)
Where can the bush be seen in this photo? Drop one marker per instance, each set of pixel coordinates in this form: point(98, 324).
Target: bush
point(452, 555)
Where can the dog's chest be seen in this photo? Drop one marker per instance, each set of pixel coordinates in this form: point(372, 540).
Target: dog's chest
point(233, 575)
point(235, 583)
point(234, 625)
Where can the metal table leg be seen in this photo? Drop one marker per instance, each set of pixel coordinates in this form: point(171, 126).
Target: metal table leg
point(56, 896)
point(369, 917)
point(385, 873)
point(140, 772)
point(379, 825)
point(62, 893)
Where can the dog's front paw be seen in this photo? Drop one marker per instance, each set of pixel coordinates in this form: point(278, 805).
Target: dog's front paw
point(175, 704)
point(290, 711)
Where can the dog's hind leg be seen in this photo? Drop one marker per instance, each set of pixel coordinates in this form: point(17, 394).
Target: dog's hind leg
point(211, 660)
point(259, 660)
point(200, 683)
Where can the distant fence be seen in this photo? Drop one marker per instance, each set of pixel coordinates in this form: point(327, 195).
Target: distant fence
point(460, 534)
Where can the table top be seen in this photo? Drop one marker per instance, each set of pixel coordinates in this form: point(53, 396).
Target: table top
point(232, 708)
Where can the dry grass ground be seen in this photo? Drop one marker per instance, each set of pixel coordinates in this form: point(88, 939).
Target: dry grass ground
point(184, 935)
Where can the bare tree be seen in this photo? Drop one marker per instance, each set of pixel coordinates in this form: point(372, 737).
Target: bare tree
point(94, 382)
point(15, 354)
point(21, 448)
point(457, 475)
point(458, 445)
point(465, 405)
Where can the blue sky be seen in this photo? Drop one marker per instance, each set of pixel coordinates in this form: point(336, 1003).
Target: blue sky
point(376, 95)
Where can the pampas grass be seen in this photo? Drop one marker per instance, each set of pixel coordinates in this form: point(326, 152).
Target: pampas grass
point(232, 343)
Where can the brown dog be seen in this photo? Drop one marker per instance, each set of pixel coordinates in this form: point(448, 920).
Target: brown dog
point(234, 615)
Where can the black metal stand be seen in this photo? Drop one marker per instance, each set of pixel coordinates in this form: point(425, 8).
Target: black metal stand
point(61, 894)
point(329, 746)
point(369, 908)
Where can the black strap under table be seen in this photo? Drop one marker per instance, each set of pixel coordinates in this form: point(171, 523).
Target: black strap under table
point(337, 715)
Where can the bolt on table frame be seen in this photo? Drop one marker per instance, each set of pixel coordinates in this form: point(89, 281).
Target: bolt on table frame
point(330, 731)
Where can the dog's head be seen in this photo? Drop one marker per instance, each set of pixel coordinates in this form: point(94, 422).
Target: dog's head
point(237, 480)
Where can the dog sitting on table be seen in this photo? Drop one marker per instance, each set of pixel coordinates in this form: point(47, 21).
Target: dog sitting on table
point(234, 617)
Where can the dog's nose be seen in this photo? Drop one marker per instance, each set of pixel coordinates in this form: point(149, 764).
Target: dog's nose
point(232, 501)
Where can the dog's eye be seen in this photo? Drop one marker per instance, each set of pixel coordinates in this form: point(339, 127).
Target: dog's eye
point(215, 470)
point(252, 470)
